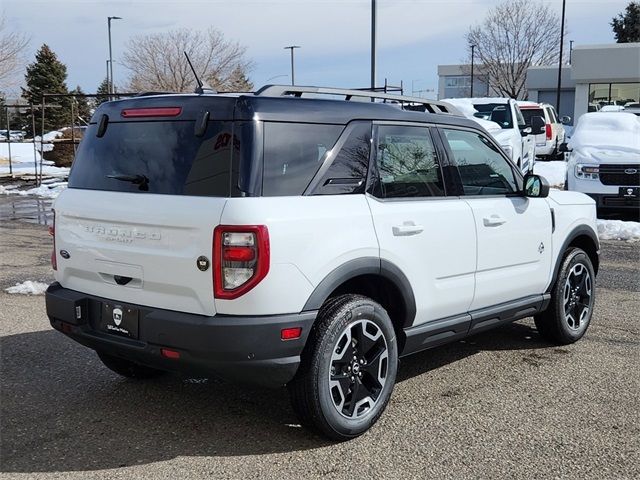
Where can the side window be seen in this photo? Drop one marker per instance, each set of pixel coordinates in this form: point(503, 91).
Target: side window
point(348, 171)
point(293, 154)
point(407, 163)
point(553, 115)
point(483, 170)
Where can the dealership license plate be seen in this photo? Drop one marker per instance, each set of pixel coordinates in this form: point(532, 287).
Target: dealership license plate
point(629, 192)
point(119, 319)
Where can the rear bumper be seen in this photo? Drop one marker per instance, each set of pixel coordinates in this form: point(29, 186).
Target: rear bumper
point(244, 349)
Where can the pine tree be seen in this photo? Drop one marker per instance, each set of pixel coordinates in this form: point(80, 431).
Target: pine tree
point(238, 81)
point(48, 75)
point(81, 108)
point(626, 26)
point(103, 93)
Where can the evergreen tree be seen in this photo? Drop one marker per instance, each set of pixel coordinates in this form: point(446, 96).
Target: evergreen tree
point(81, 107)
point(238, 81)
point(48, 75)
point(626, 26)
point(103, 93)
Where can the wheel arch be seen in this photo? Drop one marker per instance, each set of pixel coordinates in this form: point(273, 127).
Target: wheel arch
point(373, 277)
point(582, 237)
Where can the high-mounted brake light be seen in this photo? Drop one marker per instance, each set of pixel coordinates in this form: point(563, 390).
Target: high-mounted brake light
point(548, 131)
point(241, 259)
point(151, 112)
point(52, 232)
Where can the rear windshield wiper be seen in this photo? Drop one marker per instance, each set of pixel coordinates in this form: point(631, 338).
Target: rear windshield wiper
point(141, 180)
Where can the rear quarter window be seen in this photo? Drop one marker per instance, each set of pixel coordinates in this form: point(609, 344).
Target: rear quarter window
point(293, 153)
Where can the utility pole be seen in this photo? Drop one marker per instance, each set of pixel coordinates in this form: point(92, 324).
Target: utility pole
point(373, 44)
point(473, 49)
point(564, 4)
point(570, 50)
point(292, 48)
point(110, 81)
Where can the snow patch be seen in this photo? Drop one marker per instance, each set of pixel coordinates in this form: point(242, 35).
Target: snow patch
point(28, 287)
point(51, 190)
point(465, 106)
point(618, 230)
point(554, 172)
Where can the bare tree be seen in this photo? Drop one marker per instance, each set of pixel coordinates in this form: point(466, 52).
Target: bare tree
point(514, 36)
point(157, 61)
point(12, 48)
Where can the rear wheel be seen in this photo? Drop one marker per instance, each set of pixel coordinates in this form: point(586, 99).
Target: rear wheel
point(127, 368)
point(348, 368)
point(572, 300)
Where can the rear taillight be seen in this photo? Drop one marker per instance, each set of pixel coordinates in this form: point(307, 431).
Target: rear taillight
point(548, 131)
point(52, 232)
point(241, 259)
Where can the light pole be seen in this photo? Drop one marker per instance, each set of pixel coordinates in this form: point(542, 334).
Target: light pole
point(564, 2)
point(570, 50)
point(110, 80)
point(473, 51)
point(292, 48)
point(373, 45)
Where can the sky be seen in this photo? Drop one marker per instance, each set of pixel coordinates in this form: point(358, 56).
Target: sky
point(414, 36)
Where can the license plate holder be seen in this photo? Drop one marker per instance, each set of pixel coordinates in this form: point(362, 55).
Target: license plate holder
point(121, 320)
point(629, 192)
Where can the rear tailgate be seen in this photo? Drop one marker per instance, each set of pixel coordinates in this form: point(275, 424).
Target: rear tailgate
point(148, 186)
point(151, 242)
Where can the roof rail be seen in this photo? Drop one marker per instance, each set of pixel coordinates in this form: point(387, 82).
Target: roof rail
point(407, 103)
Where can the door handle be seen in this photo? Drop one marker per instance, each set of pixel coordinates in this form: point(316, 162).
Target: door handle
point(407, 229)
point(493, 221)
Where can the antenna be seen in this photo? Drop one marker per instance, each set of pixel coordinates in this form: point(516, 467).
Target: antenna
point(201, 88)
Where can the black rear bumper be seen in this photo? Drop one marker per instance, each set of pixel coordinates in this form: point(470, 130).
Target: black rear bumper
point(244, 349)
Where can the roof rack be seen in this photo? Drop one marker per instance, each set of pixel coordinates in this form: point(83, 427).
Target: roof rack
point(406, 102)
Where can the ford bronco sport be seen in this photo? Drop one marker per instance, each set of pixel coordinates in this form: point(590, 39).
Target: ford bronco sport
point(285, 238)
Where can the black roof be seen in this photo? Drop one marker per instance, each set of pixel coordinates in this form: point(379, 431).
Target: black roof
point(282, 109)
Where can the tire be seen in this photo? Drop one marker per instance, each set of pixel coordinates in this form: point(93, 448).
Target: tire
point(127, 368)
point(336, 393)
point(572, 300)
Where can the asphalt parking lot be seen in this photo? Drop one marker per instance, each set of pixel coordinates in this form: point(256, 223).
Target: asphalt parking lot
point(503, 404)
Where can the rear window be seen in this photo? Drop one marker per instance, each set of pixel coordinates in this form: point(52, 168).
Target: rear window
point(529, 113)
point(162, 157)
point(293, 153)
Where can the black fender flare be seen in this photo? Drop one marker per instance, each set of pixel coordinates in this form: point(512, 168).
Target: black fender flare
point(365, 266)
point(580, 230)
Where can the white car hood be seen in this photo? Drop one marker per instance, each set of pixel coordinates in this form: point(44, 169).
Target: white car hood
point(563, 197)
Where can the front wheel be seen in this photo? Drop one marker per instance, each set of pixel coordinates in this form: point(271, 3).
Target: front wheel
point(572, 300)
point(348, 369)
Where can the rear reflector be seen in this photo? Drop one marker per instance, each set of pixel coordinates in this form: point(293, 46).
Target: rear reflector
point(291, 333)
point(151, 112)
point(172, 354)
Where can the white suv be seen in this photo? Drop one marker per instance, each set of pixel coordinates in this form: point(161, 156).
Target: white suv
point(284, 240)
point(547, 143)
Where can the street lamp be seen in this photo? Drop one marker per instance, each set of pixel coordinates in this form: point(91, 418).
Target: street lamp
point(374, 24)
point(110, 80)
point(560, 60)
point(473, 50)
point(570, 50)
point(292, 48)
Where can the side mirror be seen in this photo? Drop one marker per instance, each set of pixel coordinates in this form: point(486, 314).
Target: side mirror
point(525, 131)
point(535, 186)
point(538, 125)
point(565, 120)
point(564, 148)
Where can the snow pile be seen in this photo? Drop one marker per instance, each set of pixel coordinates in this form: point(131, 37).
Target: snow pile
point(554, 172)
point(28, 288)
point(607, 131)
point(51, 190)
point(618, 230)
point(20, 153)
point(24, 161)
point(48, 137)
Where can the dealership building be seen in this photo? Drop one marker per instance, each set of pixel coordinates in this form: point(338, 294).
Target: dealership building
point(598, 75)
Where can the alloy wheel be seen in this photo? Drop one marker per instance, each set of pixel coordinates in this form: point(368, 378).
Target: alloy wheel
point(577, 296)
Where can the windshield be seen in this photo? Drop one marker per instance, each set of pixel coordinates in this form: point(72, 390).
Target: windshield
point(499, 113)
point(164, 157)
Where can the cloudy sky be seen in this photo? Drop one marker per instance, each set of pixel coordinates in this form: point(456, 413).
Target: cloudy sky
point(414, 36)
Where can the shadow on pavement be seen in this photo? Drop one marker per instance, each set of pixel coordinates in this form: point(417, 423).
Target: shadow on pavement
point(61, 410)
